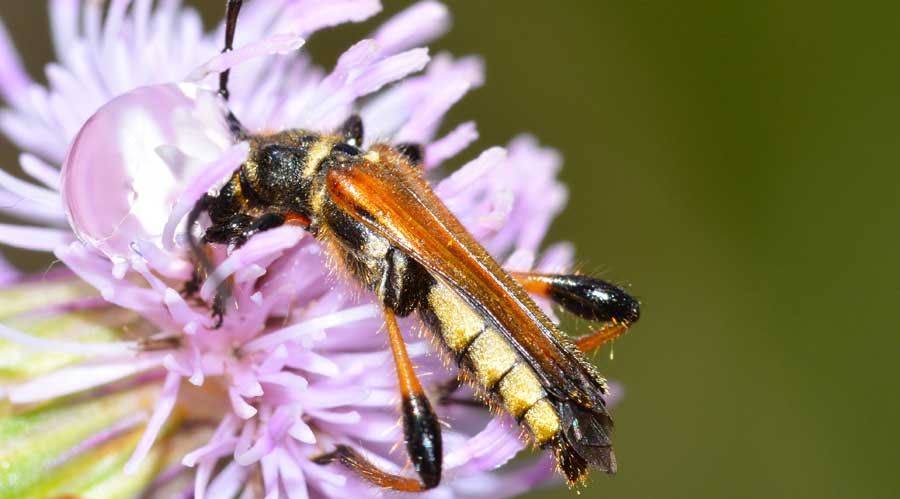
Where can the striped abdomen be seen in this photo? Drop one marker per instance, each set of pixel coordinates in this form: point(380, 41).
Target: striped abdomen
point(490, 360)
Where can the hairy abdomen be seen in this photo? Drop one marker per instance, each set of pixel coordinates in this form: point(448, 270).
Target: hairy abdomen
point(491, 361)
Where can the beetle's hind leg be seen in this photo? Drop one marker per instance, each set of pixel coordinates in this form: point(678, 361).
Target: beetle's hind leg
point(421, 429)
point(589, 298)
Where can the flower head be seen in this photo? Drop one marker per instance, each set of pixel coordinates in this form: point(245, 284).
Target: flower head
point(113, 359)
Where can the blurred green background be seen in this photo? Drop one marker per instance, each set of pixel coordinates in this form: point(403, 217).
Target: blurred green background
point(736, 163)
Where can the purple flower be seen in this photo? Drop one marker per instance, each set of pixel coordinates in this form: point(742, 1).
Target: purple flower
point(106, 358)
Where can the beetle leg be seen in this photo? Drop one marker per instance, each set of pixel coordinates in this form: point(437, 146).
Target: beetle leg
point(352, 131)
point(413, 152)
point(589, 298)
point(420, 429)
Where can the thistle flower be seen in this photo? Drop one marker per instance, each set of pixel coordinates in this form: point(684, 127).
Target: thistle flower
point(114, 384)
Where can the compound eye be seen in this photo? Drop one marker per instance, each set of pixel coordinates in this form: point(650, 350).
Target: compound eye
point(347, 149)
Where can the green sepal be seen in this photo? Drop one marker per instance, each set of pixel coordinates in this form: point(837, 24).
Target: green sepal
point(32, 443)
point(22, 298)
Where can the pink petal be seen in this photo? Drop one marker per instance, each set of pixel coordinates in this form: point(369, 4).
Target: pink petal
point(557, 258)
point(40, 171)
point(214, 449)
point(160, 413)
point(62, 346)
point(13, 78)
point(269, 466)
point(244, 380)
point(240, 406)
point(201, 478)
point(168, 264)
point(491, 448)
point(332, 107)
point(258, 247)
point(351, 417)
point(451, 144)
point(292, 477)
point(288, 380)
point(302, 432)
point(229, 481)
point(275, 44)
point(472, 173)
point(64, 23)
point(211, 175)
point(182, 312)
point(31, 134)
point(274, 361)
point(15, 205)
point(29, 191)
point(390, 69)
point(248, 448)
point(511, 484)
point(308, 326)
point(78, 378)
point(312, 362)
point(412, 27)
point(9, 274)
point(34, 238)
point(217, 445)
point(446, 83)
point(312, 15)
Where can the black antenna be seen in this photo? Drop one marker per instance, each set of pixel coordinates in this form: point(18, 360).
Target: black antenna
point(232, 9)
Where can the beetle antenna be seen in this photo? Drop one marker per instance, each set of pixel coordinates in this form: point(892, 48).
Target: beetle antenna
point(232, 9)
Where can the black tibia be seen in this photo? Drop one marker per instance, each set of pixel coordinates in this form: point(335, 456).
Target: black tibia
point(594, 299)
point(423, 438)
point(413, 152)
point(584, 296)
point(420, 425)
point(352, 131)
